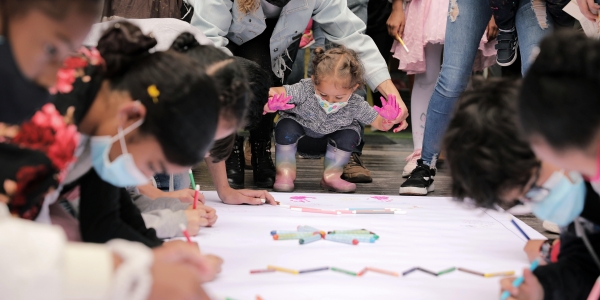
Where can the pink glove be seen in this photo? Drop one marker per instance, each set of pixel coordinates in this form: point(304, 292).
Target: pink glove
point(279, 102)
point(389, 110)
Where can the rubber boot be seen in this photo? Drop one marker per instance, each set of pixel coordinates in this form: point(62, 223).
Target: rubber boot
point(335, 160)
point(285, 166)
point(235, 164)
point(263, 168)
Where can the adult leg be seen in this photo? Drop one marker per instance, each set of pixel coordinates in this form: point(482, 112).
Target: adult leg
point(419, 101)
point(532, 24)
point(287, 134)
point(465, 26)
point(341, 145)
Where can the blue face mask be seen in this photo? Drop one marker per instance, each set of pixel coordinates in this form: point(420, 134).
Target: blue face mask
point(121, 172)
point(565, 199)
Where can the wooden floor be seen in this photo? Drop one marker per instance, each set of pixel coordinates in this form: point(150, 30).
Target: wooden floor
point(384, 157)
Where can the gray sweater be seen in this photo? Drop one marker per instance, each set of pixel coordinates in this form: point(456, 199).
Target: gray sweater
point(162, 214)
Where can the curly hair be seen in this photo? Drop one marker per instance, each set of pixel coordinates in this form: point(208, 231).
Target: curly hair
point(485, 152)
point(340, 62)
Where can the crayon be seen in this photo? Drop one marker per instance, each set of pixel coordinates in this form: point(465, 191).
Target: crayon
point(359, 237)
point(274, 232)
point(361, 273)
point(471, 272)
point(196, 194)
point(427, 271)
point(343, 271)
point(314, 270)
point(262, 271)
point(383, 271)
point(292, 236)
point(283, 270)
point(520, 279)
point(192, 178)
point(345, 240)
point(519, 228)
point(401, 42)
point(449, 270)
point(507, 273)
point(409, 271)
point(310, 239)
point(185, 233)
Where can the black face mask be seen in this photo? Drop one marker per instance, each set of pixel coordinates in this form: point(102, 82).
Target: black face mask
point(279, 3)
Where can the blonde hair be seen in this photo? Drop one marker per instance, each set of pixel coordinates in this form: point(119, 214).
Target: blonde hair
point(248, 6)
point(340, 62)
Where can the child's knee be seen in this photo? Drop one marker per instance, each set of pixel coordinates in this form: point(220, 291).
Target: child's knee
point(288, 132)
point(345, 140)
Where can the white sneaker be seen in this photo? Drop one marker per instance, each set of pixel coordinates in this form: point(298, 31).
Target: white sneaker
point(552, 227)
point(411, 163)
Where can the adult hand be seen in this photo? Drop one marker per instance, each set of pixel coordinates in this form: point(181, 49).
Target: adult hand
point(397, 20)
point(531, 289)
point(532, 249)
point(196, 218)
point(254, 197)
point(185, 195)
point(492, 29)
point(276, 91)
point(589, 9)
point(388, 88)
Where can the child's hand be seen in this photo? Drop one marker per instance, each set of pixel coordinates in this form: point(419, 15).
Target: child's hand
point(185, 195)
point(531, 289)
point(211, 214)
point(532, 249)
point(196, 218)
point(278, 102)
point(389, 110)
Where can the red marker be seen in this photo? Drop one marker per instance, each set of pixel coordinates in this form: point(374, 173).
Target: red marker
point(185, 233)
point(196, 193)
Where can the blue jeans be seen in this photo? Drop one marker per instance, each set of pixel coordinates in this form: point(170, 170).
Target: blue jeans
point(460, 47)
point(180, 181)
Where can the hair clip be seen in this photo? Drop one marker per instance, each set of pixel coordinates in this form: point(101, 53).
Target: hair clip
point(154, 93)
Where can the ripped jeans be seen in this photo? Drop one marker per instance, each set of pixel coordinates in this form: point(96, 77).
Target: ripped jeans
point(465, 26)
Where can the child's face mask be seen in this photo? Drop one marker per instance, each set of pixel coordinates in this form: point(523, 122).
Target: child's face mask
point(331, 108)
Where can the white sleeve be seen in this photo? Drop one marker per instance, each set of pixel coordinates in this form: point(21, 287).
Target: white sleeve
point(213, 18)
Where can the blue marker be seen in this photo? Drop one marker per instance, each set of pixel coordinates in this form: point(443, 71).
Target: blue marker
point(519, 228)
point(520, 280)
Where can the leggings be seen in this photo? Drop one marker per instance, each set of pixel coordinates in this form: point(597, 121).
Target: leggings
point(289, 132)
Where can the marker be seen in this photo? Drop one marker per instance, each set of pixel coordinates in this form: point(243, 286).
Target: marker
point(370, 208)
point(507, 273)
point(283, 270)
point(310, 229)
point(262, 271)
point(359, 237)
point(409, 271)
point(449, 270)
point(192, 177)
point(258, 297)
point(263, 201)
point(520, 279)
point(196, 193)
point(351, 231)
point(310, 239)
point(383, 271)
point(274, 232)
point(595, 293)
point(343, 271)
point(378, 212)
point(471, 272)
point(185, 233)
point(361, 273)
point(401, 42)
point(512, 220)
point(345, 240)
point(427, 271)
point(292, 236)
point(314, 270)
point(319, 211)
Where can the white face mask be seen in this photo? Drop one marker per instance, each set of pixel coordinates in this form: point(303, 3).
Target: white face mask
point(329, 107)
point(121, 172)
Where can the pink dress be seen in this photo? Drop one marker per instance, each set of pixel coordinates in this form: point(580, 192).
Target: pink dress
point(426, 23)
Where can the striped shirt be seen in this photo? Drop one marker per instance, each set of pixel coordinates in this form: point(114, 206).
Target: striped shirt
point(311, 116)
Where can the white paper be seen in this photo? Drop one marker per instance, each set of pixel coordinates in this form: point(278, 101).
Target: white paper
point(590, 28)
point(435, 233)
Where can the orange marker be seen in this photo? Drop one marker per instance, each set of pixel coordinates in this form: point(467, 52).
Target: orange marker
point(196, 193)
point(383, 272)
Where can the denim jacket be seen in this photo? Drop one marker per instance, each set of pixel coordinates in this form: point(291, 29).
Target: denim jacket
point(221, 22)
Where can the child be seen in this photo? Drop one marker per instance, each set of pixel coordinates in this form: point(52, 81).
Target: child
point(504, 13)
point(325, 106)
point(492, 164)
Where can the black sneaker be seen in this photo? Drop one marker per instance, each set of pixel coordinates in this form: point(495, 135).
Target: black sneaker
point(508, 44)
point(235, 164)
point(420, 181)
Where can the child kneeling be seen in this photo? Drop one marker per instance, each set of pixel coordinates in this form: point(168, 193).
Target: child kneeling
point(326, 107)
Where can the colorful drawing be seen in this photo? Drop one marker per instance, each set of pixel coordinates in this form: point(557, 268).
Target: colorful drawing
point(301, 198)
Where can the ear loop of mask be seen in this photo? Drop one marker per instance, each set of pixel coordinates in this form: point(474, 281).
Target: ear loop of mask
point(123, 132)
point(581, 232)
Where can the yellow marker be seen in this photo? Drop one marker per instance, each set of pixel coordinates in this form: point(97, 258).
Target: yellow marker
point(507, 273)
point(401, 42)
point(283, 270)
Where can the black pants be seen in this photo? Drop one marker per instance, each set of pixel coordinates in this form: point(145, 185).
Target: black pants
point(258, 50)
point(505, 10)
point(289, 132)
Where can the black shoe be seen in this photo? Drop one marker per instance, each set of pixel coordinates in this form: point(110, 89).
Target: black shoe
point(508, 43)
point(235, 164)
point(420, 181)
point(263, 168)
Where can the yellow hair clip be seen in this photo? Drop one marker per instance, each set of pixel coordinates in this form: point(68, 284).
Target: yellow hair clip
point(154, 93)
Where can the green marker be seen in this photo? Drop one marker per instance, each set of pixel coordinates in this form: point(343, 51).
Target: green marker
point(192, 179)
point(446, 271)
point(343, 271)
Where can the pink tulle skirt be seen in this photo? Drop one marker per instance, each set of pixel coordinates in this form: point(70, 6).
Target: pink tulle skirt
point(426, 24)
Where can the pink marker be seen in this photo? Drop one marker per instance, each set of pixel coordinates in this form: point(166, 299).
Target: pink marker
point(196, 193)
point(185, 233)
point(318, 211)
point(595, 293)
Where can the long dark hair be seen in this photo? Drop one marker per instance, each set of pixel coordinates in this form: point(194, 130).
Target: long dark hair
point(184, 117)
